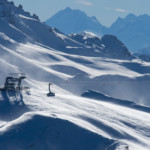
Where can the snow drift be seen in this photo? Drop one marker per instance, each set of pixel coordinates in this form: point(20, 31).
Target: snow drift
point(67, 121)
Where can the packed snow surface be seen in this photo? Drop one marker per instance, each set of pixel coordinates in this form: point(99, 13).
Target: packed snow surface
point(113, 118)
point(67, 117)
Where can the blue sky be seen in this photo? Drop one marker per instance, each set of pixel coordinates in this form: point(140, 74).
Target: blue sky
point(106, 11)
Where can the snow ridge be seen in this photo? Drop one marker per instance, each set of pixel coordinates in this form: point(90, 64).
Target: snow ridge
point(31, 120)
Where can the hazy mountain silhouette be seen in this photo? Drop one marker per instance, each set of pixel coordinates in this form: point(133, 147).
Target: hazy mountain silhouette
point(75, 21)
point(133, 30)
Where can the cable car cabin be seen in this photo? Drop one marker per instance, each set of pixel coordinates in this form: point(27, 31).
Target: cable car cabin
point(50, 93)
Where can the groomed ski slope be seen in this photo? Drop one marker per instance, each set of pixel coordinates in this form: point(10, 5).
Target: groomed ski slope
point(109, 121)
point(114, 126)
point(123, 79)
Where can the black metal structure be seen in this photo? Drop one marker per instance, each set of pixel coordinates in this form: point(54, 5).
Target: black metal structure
point(50, 93)
point(14, 82)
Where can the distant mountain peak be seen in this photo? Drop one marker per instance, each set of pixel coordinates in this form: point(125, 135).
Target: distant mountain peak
point(75, 21)
point(94, 18)
point(131, 16)
point(72, 10)
point(67, 9)
point(88, 34)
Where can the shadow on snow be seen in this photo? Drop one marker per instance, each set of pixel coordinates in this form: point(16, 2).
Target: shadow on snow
point(12, 105)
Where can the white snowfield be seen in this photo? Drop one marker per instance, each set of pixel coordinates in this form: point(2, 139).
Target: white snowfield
point(67, 121)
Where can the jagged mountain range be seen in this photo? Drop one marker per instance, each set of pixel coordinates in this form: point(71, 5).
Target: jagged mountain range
point(133, 31)
point(22, 27)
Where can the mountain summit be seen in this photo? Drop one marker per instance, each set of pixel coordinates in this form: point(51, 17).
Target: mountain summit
point(75, 21)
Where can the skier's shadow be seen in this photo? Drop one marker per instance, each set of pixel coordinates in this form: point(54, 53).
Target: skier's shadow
point(11, 105)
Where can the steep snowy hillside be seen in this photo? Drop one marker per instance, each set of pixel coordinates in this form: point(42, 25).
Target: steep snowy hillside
point(92, 125)
point(80, 22)
point(97, 95)
point(31, 120)
point(8, 11)
point(115, 126)
point(21, 27)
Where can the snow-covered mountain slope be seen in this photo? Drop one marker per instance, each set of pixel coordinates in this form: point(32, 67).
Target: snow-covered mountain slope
point(80, 22)
point(21, 27)
point(115, 126)
point(68, 121)
point(8, 11)
point(123, 79)
point(97, 95)
point(109, 46)
point(54, 133)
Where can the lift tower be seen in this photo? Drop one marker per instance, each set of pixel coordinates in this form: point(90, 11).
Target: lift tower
point(14, 82)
